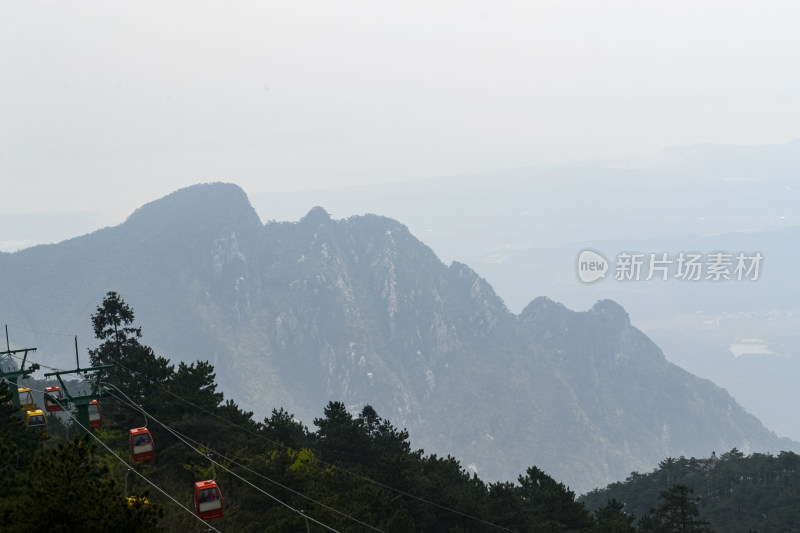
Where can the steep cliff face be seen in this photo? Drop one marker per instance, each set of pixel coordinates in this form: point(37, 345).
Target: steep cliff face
point(294, 315)
point(638, 404)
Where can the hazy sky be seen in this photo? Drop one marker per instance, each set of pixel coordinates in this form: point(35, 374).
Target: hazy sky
point(105, 106)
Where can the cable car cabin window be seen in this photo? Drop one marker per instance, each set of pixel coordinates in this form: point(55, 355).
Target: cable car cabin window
point(25, 399)
point(52, 399)
point(209, 500)
point(95, 414)
point(141, 443)
point(37, 420)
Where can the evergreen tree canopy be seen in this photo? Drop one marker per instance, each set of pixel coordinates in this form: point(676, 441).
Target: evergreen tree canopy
point(677, 513)
point(63, 494)
point(113, 319)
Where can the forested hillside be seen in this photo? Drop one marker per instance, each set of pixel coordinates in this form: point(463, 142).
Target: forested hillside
point(733, 491)
point(352, 473)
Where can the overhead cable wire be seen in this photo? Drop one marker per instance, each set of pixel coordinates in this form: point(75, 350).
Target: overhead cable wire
point(332, 466)
point(243, 467)
point(364, 478)
point(55, 334)
point(184, 439)
point(165, 493)
point(359, 476)
point(41, 365)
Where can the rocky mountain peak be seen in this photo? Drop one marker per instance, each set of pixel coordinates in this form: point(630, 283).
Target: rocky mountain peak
point(317, 215)
point(208, 206)
point(541, 307)
point(612, 312)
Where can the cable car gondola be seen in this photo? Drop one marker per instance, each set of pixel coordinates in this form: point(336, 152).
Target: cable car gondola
point(52, 399)
point(208, 500)
point(95, 414)
point(25, 399)
point(137, 500)
point(35, 419)
point(141, 443)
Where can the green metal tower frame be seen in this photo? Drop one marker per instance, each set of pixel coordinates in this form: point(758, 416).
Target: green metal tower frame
point(13, 376)
point(81, 403)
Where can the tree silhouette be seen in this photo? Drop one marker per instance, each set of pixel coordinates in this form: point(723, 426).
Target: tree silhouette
point(613, 519)
point(63, 493)
point(135, 368)
point(550, 502)
point(113, 320)
point(677, 513)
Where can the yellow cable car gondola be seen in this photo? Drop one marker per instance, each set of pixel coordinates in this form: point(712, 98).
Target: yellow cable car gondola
point(35, 419)
point(136, 500)
point(25, 399)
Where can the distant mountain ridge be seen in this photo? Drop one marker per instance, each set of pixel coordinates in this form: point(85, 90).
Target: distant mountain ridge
point(359, 310)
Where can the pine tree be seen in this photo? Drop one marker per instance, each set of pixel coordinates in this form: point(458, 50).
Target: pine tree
point(677, 513)
point(613, 519)
point(550, 502)
point(63, 493)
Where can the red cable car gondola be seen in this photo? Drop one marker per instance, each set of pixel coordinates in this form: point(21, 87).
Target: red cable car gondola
point(52, 399)
point(208, 500)
point(142, 446)
point(95, 414)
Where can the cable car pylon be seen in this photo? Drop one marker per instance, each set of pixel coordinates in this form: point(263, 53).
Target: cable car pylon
point(84, 403)
point(13, 376)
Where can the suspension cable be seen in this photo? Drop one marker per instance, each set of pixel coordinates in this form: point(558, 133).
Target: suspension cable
point(185, 439)
point(165, 493)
